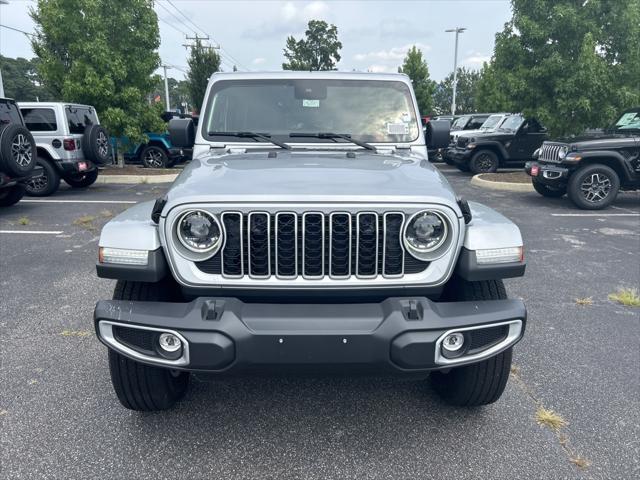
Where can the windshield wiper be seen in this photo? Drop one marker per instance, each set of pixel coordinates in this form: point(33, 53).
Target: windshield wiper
point(263, 136)
point(333, 136)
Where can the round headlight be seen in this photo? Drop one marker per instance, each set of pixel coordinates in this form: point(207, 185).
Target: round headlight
point(425, 232)
point(199, 231)
point(562, 153)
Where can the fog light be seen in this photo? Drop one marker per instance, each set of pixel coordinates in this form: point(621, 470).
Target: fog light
point(169, 342)
point(453, 342)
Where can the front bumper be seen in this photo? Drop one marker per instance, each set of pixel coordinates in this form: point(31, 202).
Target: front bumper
point(547, 174)
point(224, 334)
point(459, 155)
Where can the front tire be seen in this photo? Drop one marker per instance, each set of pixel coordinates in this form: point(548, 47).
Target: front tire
point(138, 386)
point(484, 382)
point(593, 187)
point(45, 184)
point(548, 191)
point(484, 161)
point(82, 180)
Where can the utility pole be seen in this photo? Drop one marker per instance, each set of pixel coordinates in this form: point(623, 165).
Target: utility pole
point(166, 88)
point(196, 39)
point(458, 31)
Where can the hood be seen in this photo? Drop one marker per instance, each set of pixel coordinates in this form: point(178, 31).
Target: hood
point(311, 176)
point(495, 135)
point(598, 141)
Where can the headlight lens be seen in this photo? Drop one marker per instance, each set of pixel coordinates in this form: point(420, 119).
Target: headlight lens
point(199, 231)
point(425, 232)
point(562, 153)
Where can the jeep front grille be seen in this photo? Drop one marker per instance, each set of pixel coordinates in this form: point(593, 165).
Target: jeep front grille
point(550, 152)
point(312, 245)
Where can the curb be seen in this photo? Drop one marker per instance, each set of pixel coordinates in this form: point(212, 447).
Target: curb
point(135, 179)
point(507, 186)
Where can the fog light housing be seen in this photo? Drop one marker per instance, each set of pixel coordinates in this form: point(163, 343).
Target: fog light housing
point(453, 342)
point(169, 346)
point(123, 256)
point(500, 255)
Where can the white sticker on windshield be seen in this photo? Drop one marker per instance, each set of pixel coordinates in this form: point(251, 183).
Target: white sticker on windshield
point(406, 118)
point(397, 128)
point(310, 103)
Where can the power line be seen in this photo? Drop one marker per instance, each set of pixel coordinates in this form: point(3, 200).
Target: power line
point(224, 53)
point(173, 15)
point(17, 30)
point(170, 25)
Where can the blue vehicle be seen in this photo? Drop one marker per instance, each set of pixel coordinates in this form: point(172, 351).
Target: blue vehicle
point(158, 152)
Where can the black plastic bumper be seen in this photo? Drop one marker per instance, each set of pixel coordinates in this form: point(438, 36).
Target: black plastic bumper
point(225, 334)
point(547, 174)
point(72, 167)
point(459, 156)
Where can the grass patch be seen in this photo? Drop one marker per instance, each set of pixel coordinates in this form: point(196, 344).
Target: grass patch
point(106, 214)
point(85, 221)
point(75, 333)
point(24, 221)
point(550, 419)
point(515, 370)
point(626, 296)
point(584, 301)
point(580, 462)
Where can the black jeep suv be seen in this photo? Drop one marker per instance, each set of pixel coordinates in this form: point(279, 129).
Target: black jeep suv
point(512, 144)
point(17, 154)
point(591, 170)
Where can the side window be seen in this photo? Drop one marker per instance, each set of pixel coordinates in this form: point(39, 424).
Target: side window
point(9, 113)
point(40, 119)
point(476, 122)
point(531, 125)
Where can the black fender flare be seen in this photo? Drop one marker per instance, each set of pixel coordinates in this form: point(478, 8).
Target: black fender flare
point(493, 145)
point(611, 158)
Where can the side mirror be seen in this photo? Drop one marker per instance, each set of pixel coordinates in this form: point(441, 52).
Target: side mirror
point(437, 134)
point(182, 132)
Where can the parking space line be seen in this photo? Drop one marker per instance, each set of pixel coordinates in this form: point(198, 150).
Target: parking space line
point(79, 201)
point(34, 232)
point(595, 214)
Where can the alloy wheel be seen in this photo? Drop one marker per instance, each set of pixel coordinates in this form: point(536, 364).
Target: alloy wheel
point(38, 184)
point(484, 162)
point(596, 187)
point(103, 144)
point(21, 150)
point(153, 158)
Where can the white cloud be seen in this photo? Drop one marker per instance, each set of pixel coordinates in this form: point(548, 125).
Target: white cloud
point(476, 58)
point(391, 54)
point(291, 19)
point(376, 68)
point(258, 61)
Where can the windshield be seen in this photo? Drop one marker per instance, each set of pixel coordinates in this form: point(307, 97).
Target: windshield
point(511, 124)
point(629, 120)
point(460, 123)
point(491, 122)
point(367, 110)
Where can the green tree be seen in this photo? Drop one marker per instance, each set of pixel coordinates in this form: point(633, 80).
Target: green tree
point(465, 93)
point(319, 50)
point(98, 53)
point(21, 80)
point(573, 64)
point(416, 68)
point(203, 62)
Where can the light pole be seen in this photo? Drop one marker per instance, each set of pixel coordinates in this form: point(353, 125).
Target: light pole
point(458, 31)
point(166, 88)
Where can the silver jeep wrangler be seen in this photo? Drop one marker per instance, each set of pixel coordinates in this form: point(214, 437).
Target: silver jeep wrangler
point(309, 232)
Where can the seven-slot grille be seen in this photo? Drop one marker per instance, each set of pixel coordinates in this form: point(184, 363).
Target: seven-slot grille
point(550, 153)
point(312, 245)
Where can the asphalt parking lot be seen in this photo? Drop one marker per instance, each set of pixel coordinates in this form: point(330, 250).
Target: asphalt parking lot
point(59, 417)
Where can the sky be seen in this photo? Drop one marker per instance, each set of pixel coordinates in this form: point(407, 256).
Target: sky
point(375, 34)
